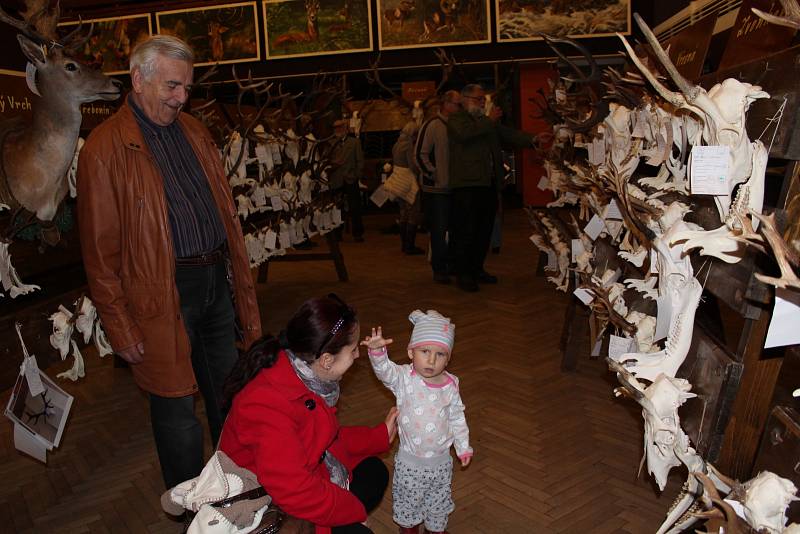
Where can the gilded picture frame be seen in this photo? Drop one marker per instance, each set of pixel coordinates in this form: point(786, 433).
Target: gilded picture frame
point(218, 34)
point(521, 20)
point(302, 28)
point(426, 23)
point(112, 39)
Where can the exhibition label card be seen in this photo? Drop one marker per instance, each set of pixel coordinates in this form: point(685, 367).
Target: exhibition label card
point(577, 249)
point(595, 227)
point(263, 154)
point(785, 318)
point(584, 295)
point(379, 196)
point(277, 203)
point(708, 170)
point(617, 346)
point(544, 183)
point(612, 211)
point(598, 345)
point(271, 239)
point(32, 376)
point(551, 260)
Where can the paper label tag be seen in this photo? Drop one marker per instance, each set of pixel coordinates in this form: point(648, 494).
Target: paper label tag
point(598, 345)
point(258, 197)
point(577, 249)
point(597, 152)
point(32, 376)
point(379, 196)
point(544, 183)
point(785, 318)
point(277, 203)
point(551, 260)
point(612, 211)
point(336, 216)
point(584, 295)
point(664, 317)
point(263, 154)
point(594, 228)
point(617, 346)
point(708, 170)
point(271, 239)
point(638, 127)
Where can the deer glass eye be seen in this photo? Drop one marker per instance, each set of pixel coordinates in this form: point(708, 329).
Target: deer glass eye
point(71, 67)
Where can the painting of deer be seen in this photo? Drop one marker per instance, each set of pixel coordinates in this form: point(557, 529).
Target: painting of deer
point(109, 47)
point(36, 155)
point(307, 27)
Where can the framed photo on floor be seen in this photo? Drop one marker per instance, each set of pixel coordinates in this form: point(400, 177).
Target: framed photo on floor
point(112, 39)
point(218, 34)
point(298, 28)
point(521, 20)
point(422, 23)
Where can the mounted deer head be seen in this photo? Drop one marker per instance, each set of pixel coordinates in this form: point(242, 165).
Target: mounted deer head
point(37, 156)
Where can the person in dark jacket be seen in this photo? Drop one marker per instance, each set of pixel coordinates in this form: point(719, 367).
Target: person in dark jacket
point(348, 163)
point(476, 174)
point(282, 424)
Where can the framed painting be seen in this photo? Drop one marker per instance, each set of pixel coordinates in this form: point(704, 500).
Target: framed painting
point(522, 20)
point(218, 34)
point(109, 47)
point(421, 23)
point(297, 28)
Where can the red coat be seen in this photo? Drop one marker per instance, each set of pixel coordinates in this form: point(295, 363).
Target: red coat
point(278, 429)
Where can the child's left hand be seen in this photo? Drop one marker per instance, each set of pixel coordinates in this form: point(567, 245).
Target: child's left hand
point(465, 461)
point(376, 341)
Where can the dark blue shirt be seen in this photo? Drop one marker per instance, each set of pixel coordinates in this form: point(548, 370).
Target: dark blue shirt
point(193, 216)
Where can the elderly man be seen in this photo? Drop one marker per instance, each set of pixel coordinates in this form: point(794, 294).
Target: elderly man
point(164, 252)
point(476, 174)
point(433, 158)
point(348, 163)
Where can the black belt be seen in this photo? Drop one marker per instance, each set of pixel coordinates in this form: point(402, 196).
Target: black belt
point(209, 258)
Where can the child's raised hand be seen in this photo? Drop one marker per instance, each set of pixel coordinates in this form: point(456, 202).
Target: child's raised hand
point(376, 340)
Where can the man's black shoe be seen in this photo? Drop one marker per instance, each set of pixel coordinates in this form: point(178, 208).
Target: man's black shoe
point(468, 285)
point(486, 278)
point(441, 278)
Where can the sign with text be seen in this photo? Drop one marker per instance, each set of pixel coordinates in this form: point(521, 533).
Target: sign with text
point(413, 91)
point(688, 49)
point(753, 37)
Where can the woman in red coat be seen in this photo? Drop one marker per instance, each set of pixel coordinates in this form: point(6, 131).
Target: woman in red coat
point(282, 422)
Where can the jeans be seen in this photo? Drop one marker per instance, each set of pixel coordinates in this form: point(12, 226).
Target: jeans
point(370, 480)
point(208, 316)
point(437, 216)
point(471, 221)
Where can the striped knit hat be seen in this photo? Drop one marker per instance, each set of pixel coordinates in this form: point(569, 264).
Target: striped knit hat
point(431, 328)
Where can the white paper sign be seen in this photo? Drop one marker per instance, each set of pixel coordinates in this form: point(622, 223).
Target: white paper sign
point(32, 376)
point(708, 170)
point(271, 239)
point(551, 260)
point(783, 328)
point(263, 154)
point(617, 346)
point(379, 196)
point(27, 442)
point(612, 211)
point(584, 295)
point(258, 197)
point(594, 228)
point(577, 249)
point(664, 317)
point(544, 183)
point(277, 203)
point(285, 237)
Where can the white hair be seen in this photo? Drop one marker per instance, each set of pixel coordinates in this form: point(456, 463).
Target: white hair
point(146, 53)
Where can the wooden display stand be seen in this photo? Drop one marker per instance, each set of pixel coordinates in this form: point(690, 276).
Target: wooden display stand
point(334, 254)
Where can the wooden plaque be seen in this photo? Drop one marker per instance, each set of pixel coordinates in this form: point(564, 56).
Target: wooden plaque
point(752, 37)
point(413, 91)
point(688, 49)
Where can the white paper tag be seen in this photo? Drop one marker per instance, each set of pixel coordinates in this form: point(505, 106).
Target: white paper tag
point(612, 211)
point(597, 155)
point(379, 196)
point(570, 197)
point(271, 239)
point(258, 197)
point(336, 216)
point(32, 376)
point(276, 203)
point(584, 295)
point(276, 153)
point(577, 249)
point(598, 345)
point(638, 127)
point(29, 443)
point(614, 228)
point(263, 154)
point(285, 237)
point(664, 317)
point(594, 228)
point(708, 170)
point(783, 328)
point(617, 346)
point(544, 183)
point(551, 260)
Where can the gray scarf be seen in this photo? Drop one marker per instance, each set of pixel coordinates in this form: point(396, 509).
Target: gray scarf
point(329, 391)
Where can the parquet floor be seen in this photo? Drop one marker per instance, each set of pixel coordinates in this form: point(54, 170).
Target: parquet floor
point(554, 452)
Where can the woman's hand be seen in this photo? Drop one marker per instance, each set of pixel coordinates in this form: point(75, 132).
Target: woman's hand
point(376, 341)
point(391, 423)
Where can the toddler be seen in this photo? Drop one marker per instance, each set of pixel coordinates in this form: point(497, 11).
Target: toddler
point(431, 419)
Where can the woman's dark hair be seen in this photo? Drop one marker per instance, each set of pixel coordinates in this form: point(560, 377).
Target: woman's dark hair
point(321, 325)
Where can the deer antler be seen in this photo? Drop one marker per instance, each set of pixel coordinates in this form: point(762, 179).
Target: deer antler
point(792, 18)
point(29, 26)
point(374, 77)
point(784, 255)
point(448, 62)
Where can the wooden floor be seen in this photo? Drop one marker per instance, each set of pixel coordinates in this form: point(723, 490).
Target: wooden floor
point(554, 452)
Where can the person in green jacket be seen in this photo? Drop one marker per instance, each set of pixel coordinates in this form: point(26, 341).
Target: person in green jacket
point(476, 175)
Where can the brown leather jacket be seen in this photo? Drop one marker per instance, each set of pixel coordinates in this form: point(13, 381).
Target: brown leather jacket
point(128, 255)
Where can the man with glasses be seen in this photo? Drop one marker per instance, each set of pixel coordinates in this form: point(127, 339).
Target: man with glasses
point(476, 176)
point(433, 158)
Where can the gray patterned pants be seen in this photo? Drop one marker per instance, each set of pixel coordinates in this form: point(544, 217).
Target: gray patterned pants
point(421, 493)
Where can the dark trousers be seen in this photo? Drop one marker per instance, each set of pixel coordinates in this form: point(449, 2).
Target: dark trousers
point(353, 195)
point(370, 479)
point(437, 217)
point(208, 316)
point(471, 222)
